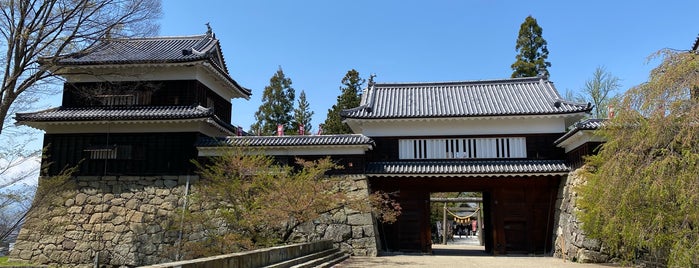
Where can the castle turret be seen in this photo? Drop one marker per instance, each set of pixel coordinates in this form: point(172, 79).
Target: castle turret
point(138, 106)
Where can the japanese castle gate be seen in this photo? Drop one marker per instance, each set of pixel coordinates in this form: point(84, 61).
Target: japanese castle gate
point(497, 137)
point(145, 107)
point(491, 136)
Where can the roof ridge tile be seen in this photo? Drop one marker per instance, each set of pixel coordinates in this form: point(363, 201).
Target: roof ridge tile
point(453, 82)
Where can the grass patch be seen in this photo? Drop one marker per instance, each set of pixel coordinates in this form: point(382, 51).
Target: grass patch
point(4, 261)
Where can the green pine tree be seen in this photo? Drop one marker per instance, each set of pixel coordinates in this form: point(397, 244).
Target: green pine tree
point(531, 60)
point(303, 114)
point(277, 106)
point(349, 98)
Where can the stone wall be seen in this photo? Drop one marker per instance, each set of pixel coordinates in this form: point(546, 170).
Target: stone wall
point(124, 220)
point(349, 229)
point(121, 219)
point(571, 243)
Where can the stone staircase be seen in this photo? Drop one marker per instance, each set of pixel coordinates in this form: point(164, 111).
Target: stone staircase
point(322, 259)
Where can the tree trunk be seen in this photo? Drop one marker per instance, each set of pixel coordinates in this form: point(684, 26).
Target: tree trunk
point(7, 101)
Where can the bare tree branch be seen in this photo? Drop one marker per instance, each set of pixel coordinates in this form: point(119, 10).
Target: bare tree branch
point(34, 35)
point(46, 30)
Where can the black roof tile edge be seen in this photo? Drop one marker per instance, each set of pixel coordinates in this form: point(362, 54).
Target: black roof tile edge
point(582, 107)
point(587, 124)
point(372, 166)
point(199, 112)
point(311, 140)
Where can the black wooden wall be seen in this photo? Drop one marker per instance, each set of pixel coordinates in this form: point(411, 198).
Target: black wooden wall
point(151, 153)
point(149, 93)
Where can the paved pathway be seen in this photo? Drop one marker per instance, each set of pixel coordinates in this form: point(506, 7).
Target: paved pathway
point(464, 252)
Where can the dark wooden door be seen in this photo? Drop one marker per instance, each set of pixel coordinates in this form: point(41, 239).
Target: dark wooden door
point(414, 229)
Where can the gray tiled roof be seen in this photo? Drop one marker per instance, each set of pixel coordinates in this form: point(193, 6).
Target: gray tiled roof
point(467, 167)
point(155, 50)
point(306, 140)
point(588, 124)
point(695, 47)
point(146, 50)
point(517, 96)
point(116, 113)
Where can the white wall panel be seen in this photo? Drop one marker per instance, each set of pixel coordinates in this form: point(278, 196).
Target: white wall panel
point(459, 126)
point(510, 147)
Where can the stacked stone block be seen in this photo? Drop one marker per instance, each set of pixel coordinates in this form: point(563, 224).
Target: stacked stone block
point(571, 242)
point(127, 221)
point(350, 230)
point(121, 220)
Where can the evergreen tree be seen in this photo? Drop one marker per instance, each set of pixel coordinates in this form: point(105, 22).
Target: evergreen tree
point(277, 106)
point(531, 60)
point(349, 98)
point(303, 114)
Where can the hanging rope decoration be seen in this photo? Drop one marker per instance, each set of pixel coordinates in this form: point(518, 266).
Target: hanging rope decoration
point(464, 219)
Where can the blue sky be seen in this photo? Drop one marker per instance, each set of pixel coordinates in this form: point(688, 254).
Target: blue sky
point(317, 42)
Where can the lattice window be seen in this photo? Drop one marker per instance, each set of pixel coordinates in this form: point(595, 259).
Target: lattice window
point(468, 148)
point(110, 152)
point(117, 100)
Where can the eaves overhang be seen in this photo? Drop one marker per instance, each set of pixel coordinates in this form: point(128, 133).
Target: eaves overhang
point(455, 118)
point(468, 168)
point(582, 132)
point(49, 126)
point(466, 175)
point(346, 144)
point(206, 64)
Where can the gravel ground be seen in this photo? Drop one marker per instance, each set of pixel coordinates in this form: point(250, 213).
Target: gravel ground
point(462, 253)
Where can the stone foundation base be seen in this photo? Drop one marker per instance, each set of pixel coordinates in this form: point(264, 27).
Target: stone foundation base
point(571, 243)
point(125, 220)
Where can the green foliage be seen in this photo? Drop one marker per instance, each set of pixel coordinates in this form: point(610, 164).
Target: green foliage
point(348, 98)
point(437, 208)
point(531, 46)
point(642, 191)
point(303, 114)
point(277, 106)
point(6, 262)
point(245, 201)
point(597, 91)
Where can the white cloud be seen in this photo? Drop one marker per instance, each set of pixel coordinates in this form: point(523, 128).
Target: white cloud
point(19, 172)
